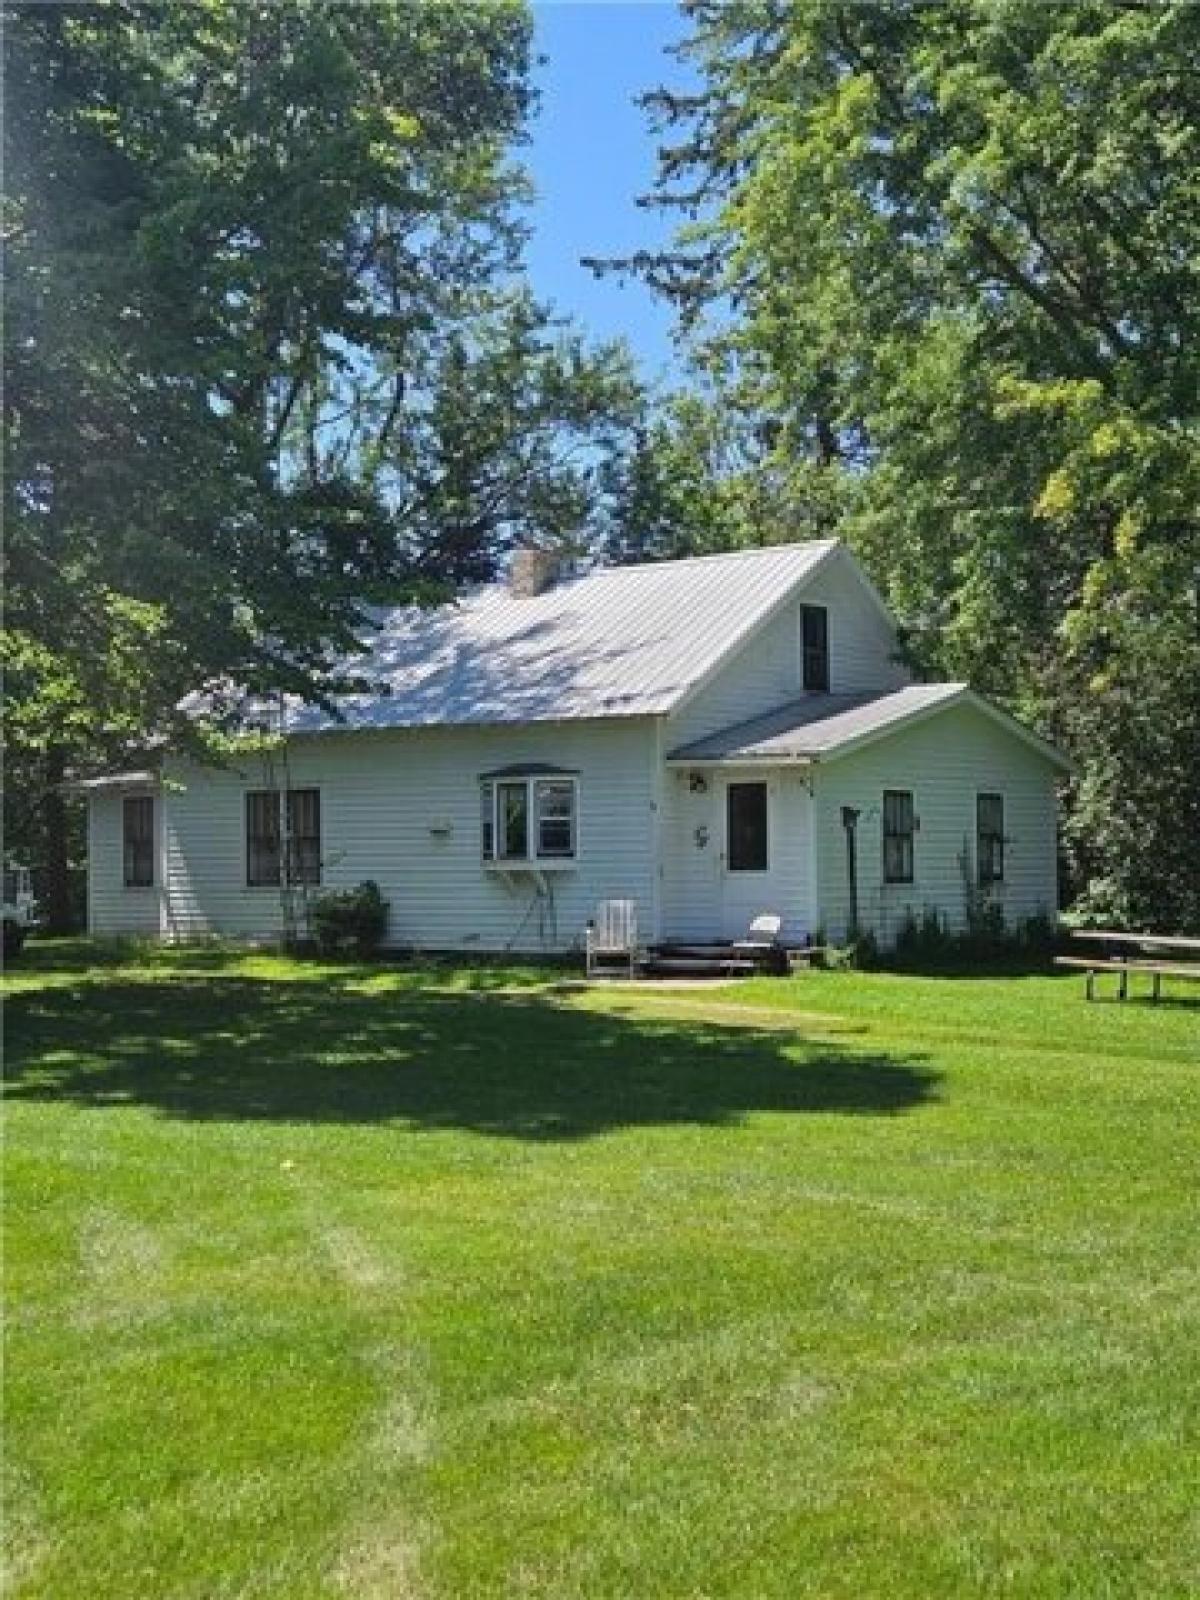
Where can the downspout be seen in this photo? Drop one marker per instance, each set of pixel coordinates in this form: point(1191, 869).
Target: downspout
point(850, 824)
point(656, 833)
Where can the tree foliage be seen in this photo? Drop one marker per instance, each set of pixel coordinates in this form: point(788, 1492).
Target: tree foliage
point(267, 349)
point(951, 255)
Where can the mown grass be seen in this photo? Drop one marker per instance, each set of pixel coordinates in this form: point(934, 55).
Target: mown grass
point(449, 1282)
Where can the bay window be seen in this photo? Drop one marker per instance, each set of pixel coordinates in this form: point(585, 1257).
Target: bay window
point(528, 816)
point(512, 814)
point(554, 807)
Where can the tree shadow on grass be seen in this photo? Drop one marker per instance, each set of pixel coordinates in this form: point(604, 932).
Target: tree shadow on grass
point(514, 1066)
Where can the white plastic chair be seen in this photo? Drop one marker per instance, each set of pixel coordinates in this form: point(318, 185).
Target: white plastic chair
point(612, 936)
point(763, 933)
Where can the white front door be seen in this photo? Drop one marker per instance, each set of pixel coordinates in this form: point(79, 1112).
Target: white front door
point(749, 871)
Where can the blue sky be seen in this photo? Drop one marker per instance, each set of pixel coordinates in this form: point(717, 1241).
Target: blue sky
point(592, 154)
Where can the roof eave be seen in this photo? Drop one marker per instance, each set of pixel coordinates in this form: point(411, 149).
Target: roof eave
point(790, 759)
point(142, 779)
point(1018, 729)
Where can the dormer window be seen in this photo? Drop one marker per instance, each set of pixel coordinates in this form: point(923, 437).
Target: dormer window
point(814, 648)
point(529, 816)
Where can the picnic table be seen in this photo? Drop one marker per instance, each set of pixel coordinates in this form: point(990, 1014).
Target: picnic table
point(1158, 955)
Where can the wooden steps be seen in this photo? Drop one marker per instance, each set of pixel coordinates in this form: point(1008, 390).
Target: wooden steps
point(698, 966)
point(709, 960)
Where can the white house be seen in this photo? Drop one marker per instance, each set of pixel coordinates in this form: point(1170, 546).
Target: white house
point(711, 738)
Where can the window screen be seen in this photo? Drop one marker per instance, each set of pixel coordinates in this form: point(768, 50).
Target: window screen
point(262, 838)
point(512, 812)
point(989, 838)
point(487, 821)
point(814, 647)
point(264, 843)
point(554, 800)
point(897, 836)
point(304, 835)
point(139, 841)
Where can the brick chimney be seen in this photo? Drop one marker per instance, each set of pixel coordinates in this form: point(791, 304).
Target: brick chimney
point(532, 571)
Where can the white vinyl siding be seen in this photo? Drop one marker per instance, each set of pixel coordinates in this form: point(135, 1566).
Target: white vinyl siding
point(768, 671)
point(764, 674)
point(945, 761)
point(115, 908)
point(403, 807)
point(695, 883)
point(862, 643)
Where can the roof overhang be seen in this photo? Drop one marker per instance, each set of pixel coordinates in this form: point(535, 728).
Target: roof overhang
point(692, 763)
point(530, 769)
point(142, 779)
point(956, 695)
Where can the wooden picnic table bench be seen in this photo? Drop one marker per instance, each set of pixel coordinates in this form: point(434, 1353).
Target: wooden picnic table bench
point(800, 957)
point(1126, 953)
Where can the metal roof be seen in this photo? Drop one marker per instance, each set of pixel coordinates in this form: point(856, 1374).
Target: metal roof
point(818, 725)
point(617, 641)
point(823, 726)
point(531, 769)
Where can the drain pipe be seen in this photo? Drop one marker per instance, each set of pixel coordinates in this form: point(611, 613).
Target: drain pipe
point(850, 824)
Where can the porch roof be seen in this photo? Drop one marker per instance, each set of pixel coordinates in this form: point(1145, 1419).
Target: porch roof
point(823, 726)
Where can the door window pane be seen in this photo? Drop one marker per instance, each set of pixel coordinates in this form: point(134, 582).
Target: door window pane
point(747, 826)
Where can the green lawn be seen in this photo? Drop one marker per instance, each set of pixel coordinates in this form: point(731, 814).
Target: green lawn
point(362, 1282)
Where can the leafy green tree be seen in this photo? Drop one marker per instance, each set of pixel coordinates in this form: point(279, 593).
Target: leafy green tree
point(953, 253)
point(237, 234)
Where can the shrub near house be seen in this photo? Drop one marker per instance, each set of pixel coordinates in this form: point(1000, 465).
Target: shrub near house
point(352, 920)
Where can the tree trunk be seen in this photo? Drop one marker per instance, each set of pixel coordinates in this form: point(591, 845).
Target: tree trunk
point(58, 910)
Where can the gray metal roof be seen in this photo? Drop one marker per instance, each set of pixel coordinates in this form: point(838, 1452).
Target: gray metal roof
point(618, 641)
point(818, 725)
point(822, 726)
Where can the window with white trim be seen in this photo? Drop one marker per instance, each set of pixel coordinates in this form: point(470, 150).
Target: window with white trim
point(529, 818)
point(554, 811)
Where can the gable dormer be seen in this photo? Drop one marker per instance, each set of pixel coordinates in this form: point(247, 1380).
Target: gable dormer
point(832, 634)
